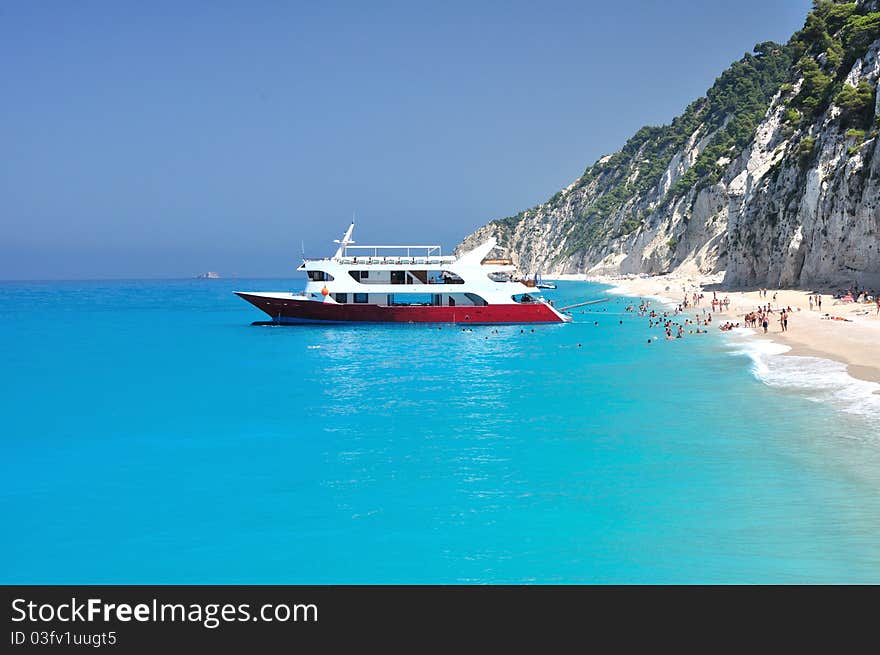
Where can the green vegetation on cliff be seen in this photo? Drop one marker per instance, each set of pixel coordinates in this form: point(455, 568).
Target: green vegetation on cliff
point(619, 193)
point(726, 116)
point(834, 36)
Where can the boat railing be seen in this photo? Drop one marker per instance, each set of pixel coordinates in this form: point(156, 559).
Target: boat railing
point(385, 259)
point(384, 251)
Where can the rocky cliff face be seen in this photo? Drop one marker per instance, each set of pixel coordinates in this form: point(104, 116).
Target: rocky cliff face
point(773, 177)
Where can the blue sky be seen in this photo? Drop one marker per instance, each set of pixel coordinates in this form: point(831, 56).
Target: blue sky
point(166, 139)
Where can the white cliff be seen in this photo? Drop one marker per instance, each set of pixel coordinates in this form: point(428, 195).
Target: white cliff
point(793, 203)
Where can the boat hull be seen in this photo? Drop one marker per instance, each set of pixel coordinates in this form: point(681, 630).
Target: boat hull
point(293, 311)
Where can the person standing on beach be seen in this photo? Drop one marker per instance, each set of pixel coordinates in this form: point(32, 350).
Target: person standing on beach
point(783, 320)
point(819, 301)
point(811, 303)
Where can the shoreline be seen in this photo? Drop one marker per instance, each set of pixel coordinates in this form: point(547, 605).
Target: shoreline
point(854, 342)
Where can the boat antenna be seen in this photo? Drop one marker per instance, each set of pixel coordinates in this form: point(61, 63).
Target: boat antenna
point(302, 247)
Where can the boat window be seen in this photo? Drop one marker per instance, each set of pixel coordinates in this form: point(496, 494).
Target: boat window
point(398, 277)
point(451, 301)
point(320, 276)
point(477, 300)
point(360, 297)
point(340, 297)
point(411, 299)
point(448, 277)
point(526, 298)
point(358, 275)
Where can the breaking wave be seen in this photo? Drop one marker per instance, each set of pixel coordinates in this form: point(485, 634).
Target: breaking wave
point(820, 380)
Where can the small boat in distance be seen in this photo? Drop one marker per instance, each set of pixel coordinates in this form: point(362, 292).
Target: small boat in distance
point(407, 284)
point(540, 284)
point(210, 275)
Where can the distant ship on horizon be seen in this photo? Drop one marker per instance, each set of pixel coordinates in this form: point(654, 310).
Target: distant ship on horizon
point(408, 284)
point(210, 275)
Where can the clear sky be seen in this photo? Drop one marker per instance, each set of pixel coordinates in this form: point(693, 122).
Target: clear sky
point(162, 139)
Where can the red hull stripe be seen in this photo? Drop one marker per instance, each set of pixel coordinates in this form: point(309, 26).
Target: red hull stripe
point(309, 311)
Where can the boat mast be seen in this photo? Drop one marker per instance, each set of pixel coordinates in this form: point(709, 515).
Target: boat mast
point(344, 241)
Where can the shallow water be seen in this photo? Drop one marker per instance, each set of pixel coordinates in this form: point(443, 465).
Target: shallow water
point(152, 435)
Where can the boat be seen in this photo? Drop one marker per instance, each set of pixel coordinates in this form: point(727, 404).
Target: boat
point(407, 284)
point(541, 284)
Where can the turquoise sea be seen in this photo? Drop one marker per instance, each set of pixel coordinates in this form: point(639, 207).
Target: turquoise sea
point(150, 434)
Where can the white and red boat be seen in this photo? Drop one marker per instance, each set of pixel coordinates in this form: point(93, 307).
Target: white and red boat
point(408, 284)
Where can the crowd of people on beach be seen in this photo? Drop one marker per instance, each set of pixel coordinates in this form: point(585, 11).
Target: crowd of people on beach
point(860, 296)
point(696, 299)
point(693, 315)
point(763, 316)
point(760, 318)
point(857, 294)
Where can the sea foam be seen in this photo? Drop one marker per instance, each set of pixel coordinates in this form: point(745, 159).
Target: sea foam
point(820, 380)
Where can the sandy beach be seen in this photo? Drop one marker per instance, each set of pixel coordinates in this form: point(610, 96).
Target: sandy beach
point(854, 341)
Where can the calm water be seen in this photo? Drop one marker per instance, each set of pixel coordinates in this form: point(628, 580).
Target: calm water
point(151, 435)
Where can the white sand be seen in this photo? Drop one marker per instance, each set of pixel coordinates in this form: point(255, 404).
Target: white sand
point(855, 342)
